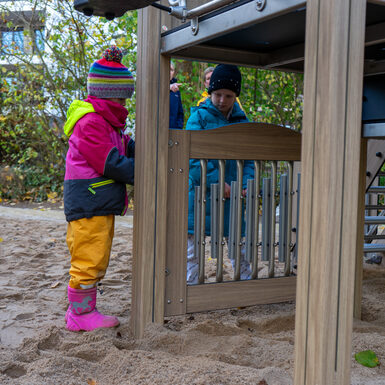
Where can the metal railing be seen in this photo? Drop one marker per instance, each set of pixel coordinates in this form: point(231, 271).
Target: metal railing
point(266, 211)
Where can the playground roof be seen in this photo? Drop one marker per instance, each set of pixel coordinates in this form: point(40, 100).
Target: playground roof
point(272, 38)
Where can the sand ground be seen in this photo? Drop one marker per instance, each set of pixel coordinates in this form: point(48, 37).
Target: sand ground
point(237, 346)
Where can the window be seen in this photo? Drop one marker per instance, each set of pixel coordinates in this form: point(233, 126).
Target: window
point(12, 41)
point(39, 39)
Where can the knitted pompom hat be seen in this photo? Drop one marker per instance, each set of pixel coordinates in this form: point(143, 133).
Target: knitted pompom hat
point(225, 76)
point(109, 78)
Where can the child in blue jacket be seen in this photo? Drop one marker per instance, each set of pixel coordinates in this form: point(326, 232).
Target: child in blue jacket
point(220, 109)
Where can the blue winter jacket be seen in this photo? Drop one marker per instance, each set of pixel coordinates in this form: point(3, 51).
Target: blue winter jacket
point(176, 109)
point(206, 117)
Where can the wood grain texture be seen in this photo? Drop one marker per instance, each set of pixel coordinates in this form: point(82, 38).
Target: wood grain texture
point(240, 293)
point(177, 210)
point(150, 168)
point(257, 141)
point(329, 190)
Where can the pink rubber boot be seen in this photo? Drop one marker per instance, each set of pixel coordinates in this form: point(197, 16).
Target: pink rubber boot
point(82, 313)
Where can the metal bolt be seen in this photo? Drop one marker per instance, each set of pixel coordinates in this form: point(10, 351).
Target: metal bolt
point(176, 143)
point(181, 170)
point(222, 243)
point(203, 242)
point(181, 300)
point(260, 5)
point(292, 192)
point(171, 170)
point(170, 143)
point(169, 301)
point(368, 173)
point(379, 154)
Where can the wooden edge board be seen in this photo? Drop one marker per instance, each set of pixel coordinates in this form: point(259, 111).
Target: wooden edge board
point(215, 296)
point(258, 141)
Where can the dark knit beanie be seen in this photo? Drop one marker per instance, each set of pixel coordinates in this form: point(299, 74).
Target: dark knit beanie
point(225, 76)
point(109, 78)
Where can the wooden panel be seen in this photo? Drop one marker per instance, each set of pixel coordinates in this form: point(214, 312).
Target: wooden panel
point(177, 209)
point(329, 190)
point(150, 170)
point(161, 190)
point(257, 141)
point(214, 296)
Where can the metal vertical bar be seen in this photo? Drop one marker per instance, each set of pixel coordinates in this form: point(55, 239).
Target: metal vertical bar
point(257, 173)
point(295, 254)
point(201, 276)
point(232, 219)
point(272, 219)
point(221, 210)
point(238, 234)
point(289, 217)
point(266, 204)
point(250, 213)
point(282, 218)
point(197, 222)
point(214, 220)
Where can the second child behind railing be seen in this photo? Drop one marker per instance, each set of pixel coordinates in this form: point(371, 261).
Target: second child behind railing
point(220, 109)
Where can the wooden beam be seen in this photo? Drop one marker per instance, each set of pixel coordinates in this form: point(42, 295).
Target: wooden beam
point(334, 55)
point(257, 141)
point(212, 54)
point(374, 67)
point(177, 225)
point(375, 34)
point(149, 243)
point(240, 293)
point(286, 56)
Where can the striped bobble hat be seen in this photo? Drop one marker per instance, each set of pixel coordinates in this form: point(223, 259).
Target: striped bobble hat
point(109, 78)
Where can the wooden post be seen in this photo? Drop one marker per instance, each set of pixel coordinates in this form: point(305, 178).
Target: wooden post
point(334, 53)
point(149, 244)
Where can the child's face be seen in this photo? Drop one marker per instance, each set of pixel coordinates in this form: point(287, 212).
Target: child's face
point(121, 101)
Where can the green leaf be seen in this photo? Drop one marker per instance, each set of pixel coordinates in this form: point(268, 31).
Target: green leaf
point(367, 358)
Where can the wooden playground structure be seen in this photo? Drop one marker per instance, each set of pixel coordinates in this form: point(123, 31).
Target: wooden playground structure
point(335, 43)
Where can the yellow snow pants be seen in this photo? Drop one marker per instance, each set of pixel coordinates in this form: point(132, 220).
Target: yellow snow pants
point(89, 241)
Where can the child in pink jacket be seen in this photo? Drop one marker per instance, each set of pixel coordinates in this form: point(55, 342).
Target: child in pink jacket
point(99, 164)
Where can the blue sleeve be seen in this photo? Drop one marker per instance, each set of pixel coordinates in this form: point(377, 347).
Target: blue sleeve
point(119, 167)
point(195, 122)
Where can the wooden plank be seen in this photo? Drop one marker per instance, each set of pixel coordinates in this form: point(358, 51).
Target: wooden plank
point(329, 190)
point(257, 141)
point(224, 295)
point(161, 190)
point(177, 210)
point(150, 169)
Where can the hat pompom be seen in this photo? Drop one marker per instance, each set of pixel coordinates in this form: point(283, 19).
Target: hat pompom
point(113, 54)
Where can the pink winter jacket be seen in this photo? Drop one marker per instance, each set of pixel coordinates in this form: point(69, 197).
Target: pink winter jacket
point(100, 159)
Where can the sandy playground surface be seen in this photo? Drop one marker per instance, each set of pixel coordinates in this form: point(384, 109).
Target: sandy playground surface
point(238, 346)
